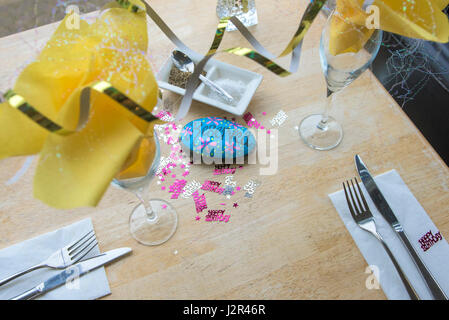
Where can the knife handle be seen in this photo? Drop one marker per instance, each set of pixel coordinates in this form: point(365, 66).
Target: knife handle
point(434, 287)
point(411, 292)
point(28, 295)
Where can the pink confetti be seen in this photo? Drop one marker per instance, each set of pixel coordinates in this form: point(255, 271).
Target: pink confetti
point(250, 120)
point(200, 201)
point(163, 188)
point(164, 206)
point(264, 113)
point(177, 188)
point(237, 188)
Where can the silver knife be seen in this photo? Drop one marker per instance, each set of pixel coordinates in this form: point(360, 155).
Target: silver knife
point(389, 216)
point(71, 272)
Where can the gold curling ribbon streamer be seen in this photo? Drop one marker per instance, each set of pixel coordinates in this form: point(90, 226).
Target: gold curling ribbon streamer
point(259, 55)
point(19, 102)
point(310, 13)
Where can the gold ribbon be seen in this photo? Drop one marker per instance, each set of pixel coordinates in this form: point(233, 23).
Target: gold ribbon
point(19, 102)
point(259, 55)
point(263, 57)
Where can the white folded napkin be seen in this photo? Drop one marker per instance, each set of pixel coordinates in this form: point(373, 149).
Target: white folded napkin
point(20, 256)
point(416, 224)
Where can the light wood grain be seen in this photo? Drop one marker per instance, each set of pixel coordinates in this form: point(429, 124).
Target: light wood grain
point(288, 242)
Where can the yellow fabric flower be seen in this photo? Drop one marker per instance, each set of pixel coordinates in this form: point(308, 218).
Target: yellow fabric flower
point(422, 19)
point(75, 170)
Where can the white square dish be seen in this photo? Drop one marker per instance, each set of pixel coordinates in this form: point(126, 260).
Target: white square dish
point(217, 70)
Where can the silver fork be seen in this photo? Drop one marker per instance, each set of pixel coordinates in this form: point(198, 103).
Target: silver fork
point(365, 220)
point(64, 257)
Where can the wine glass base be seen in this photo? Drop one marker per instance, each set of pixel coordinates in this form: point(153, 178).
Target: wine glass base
point(317, 138)
point(152, 232)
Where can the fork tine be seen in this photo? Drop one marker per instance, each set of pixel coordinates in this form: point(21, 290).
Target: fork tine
point(349, 202)
point(80, 247)
point(361, 195)
point(75, 242)
point(356, 209)
point(357, 196)
point(86, 251)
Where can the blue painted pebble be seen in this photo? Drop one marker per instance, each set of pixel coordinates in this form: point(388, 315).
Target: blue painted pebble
point(217, 138)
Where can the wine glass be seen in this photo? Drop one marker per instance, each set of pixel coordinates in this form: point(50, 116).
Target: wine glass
point(153, 221)
point(321, 131)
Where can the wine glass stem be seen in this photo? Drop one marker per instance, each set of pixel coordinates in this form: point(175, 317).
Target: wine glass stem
point(144, 198)
point(325, 116)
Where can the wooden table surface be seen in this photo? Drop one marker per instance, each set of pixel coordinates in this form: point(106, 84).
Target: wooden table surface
point(288, 242)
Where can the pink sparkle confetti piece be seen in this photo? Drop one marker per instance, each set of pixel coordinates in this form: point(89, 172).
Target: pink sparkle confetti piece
point(237, 188)
point(200, 201)
point(264, 113)
point(268, 131)
point(177, 188)
point(173, 175)
point(223, 204)
point(163, 188)
point(212, 186)
point(182, 166)
point(164, 206)
point(197, 218)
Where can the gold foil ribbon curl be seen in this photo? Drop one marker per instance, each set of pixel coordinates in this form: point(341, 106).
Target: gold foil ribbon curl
point(259, 54)
point(19, 102)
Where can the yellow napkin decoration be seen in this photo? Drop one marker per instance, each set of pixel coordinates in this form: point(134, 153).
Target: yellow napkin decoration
point(414, 19)
point(75, 170)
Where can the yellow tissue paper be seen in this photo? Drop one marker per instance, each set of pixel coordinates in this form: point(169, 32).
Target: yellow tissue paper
point(75, 170)
point(415, 19)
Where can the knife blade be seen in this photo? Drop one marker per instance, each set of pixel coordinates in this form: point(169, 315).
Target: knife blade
point(385, 210)
point(72, 272)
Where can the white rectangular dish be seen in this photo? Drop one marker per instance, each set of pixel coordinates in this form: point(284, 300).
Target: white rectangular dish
point(217, 70)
